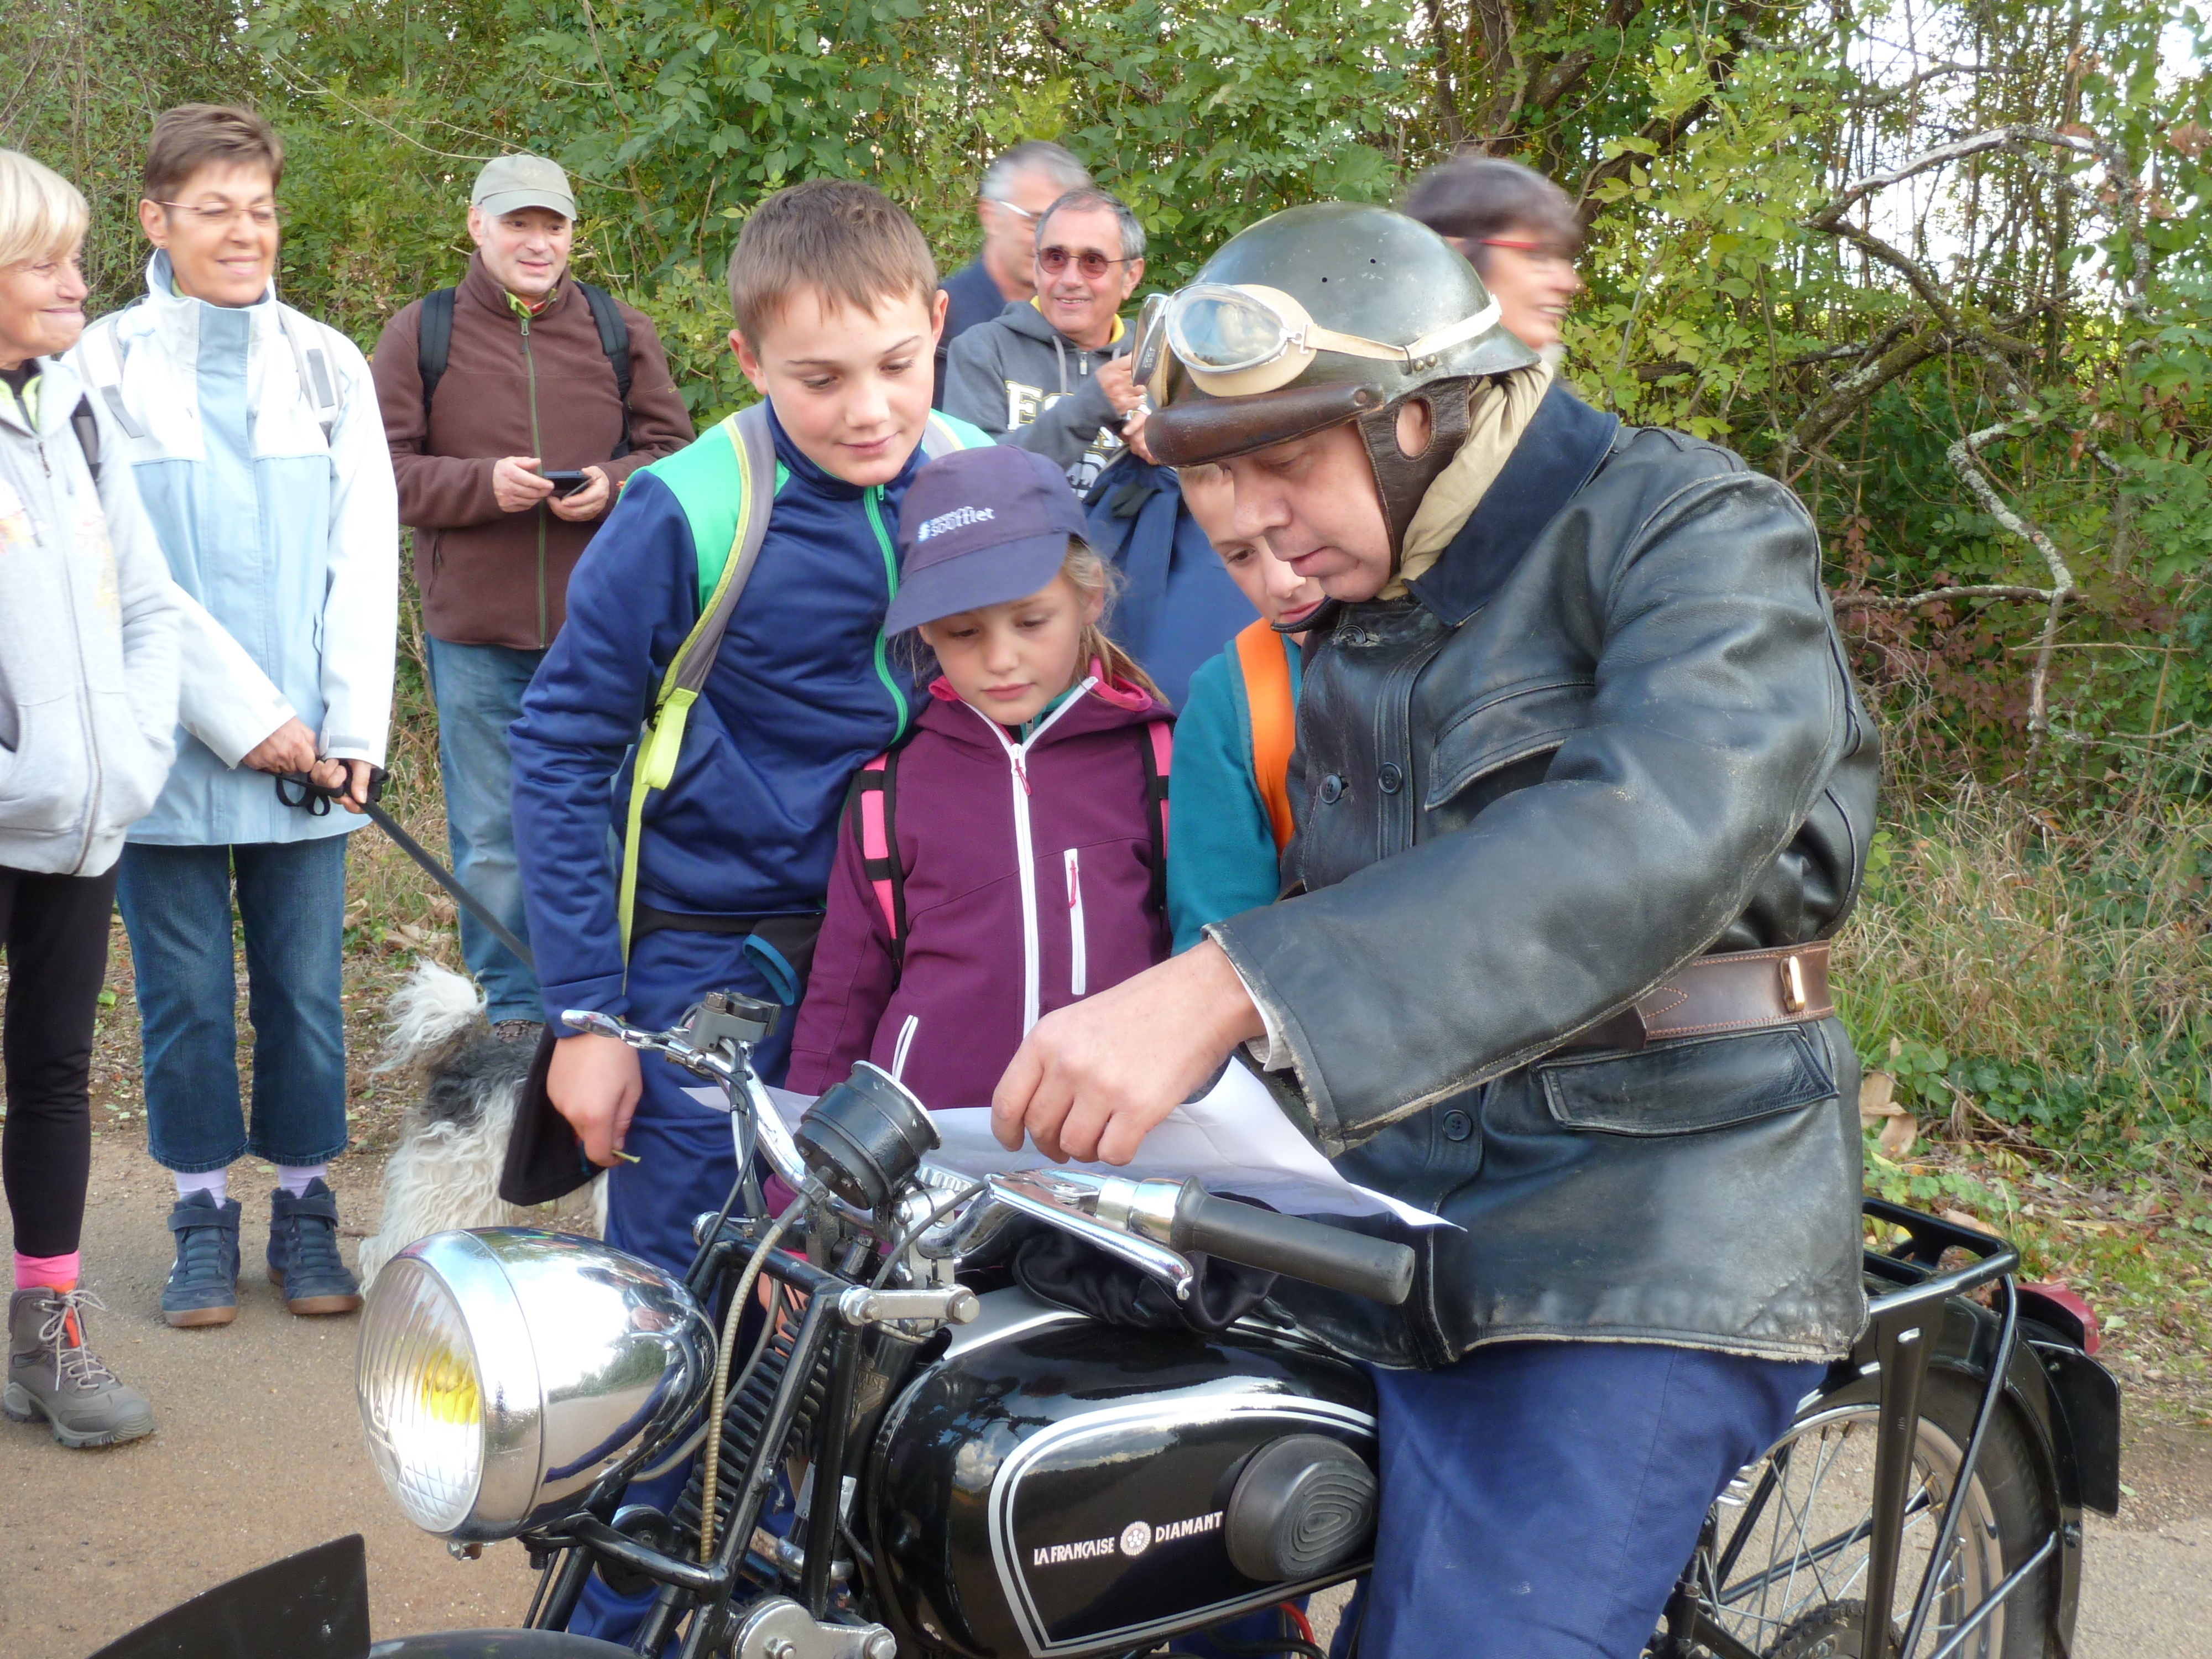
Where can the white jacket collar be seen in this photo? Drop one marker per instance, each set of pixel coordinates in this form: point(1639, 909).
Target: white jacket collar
point(177, 316)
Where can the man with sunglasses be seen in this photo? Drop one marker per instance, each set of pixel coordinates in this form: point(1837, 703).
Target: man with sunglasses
point(1019, 186)
point(1048, 373)
point(1581, 790)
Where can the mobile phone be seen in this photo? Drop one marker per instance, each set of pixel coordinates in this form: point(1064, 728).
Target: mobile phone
point(564, 483)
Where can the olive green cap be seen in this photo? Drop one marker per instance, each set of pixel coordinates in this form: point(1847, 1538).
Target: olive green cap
point(521, 180)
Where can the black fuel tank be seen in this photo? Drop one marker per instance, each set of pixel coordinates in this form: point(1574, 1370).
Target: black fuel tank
point(1057, 1486)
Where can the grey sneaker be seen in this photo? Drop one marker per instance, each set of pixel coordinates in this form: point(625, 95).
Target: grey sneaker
point(303, 1252)
point(53, 1373)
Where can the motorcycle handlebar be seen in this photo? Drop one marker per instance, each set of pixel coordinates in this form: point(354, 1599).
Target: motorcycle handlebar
point(1332, 1257)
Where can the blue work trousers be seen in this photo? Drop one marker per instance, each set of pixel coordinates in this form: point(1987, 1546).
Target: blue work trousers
point(291, 907)
point(687, 1161)
point(478, 689)
point(1540, 1499)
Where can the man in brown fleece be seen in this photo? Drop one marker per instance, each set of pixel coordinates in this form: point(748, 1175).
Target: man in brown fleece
point(525, 387)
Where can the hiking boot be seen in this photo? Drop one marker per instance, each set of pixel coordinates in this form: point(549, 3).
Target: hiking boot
point(524, 1031)
point(303, 1252)
point(53, 1373)
point(203, 1287)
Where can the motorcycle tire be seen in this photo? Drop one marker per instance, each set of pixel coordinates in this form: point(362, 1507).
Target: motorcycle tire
point(1794, 1584)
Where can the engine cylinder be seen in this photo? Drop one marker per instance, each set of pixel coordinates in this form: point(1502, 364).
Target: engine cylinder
point(1053, 1485)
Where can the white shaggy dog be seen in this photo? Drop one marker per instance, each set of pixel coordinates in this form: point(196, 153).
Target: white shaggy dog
point(445, 1172)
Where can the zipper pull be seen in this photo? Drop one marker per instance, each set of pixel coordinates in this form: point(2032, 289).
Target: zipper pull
point(1022, 771)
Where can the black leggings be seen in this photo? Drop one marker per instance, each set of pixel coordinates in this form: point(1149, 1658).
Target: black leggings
point(55, 929)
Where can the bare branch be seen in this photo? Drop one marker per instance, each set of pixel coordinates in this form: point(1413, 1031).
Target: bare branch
point(1858, 599)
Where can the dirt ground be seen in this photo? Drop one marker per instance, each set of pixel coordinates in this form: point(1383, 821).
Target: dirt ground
point(259, 1450)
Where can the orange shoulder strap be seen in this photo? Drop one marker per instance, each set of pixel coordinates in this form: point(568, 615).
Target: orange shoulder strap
point(1260, 654)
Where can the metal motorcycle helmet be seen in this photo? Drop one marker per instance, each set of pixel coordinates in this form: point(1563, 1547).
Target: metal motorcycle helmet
point(1315, 317)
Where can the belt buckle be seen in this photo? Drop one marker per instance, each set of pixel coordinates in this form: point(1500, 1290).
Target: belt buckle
point(1793, 985)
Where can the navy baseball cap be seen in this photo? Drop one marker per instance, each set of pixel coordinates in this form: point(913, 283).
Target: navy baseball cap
point(978, 527)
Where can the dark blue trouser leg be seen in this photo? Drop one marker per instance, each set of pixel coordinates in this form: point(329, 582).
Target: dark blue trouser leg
point(1539, 1498)
point(687, 1163)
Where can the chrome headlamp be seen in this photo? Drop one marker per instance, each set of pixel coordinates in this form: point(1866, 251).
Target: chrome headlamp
point(505, 1372)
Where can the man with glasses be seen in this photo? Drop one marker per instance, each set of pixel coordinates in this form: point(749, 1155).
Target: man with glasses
point(1018, 187)
point(1051, 373)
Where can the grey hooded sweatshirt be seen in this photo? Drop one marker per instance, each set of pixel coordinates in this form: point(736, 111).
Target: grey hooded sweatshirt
point(89, 625)
point(1026, 384)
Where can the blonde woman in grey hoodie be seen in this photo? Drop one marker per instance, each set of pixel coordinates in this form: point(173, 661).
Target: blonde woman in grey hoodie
point(89, 625)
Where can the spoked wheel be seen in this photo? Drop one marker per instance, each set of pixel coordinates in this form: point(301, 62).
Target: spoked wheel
point(1787, 1572)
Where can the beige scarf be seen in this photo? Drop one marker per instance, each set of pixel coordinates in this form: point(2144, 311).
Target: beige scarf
point(1497, 415)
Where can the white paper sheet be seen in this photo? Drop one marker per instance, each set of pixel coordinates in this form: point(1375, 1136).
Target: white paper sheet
point(1234, 1139)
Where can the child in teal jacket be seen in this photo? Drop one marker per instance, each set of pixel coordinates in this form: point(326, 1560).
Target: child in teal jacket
point(1234, 737)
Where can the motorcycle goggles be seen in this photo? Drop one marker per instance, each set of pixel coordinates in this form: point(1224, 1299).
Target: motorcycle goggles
point(1242, 338)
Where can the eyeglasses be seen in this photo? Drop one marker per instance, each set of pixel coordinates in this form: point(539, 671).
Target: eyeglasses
point(262, 214)
point(1091, 262)
point(1016, 208)
point(1540, 253)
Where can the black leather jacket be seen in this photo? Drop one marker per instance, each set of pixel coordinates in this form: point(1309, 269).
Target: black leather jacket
point(1611, 731)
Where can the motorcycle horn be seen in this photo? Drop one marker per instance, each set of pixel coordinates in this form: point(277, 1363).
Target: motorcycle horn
point(866, 1136)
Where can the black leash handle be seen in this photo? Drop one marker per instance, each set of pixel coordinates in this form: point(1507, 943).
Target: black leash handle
point(315, 798)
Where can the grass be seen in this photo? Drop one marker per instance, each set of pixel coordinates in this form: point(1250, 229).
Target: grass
point(2036, 1002)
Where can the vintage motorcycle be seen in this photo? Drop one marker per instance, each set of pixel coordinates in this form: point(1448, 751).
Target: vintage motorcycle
point(896, 1451)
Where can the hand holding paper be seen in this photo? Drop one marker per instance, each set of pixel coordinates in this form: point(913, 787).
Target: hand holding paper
point(1234, 1139)
point(1091, 1080)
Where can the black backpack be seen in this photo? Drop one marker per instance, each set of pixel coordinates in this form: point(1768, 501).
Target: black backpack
point(434, 342)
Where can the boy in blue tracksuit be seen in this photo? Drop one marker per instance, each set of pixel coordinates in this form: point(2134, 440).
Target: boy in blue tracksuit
point(837, 314)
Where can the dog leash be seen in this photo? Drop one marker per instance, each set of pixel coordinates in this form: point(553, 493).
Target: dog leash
point(314, 799)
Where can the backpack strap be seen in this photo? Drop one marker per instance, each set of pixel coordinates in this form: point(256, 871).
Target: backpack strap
point(319, 383)
point(1155, 747)
point(434, 343)
point(83, 422)
point(661, 741)
point(110, 386)
point(1267, 670)
point(943, 434)
point(614, 340)
point(874, 810)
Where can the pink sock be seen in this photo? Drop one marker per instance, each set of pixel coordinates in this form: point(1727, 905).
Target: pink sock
point(293, 1177)
point(45, 1272)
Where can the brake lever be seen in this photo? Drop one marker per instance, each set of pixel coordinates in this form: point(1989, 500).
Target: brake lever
point(734, 1075)
point(1054, 1197)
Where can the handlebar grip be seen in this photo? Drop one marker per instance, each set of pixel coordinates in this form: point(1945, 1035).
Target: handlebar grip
point(1334, 1257)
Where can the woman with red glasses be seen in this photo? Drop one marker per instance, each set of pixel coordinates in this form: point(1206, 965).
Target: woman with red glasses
point(1518, 229)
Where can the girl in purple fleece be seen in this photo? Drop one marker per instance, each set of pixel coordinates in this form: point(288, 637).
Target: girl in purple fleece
point(1019, 812)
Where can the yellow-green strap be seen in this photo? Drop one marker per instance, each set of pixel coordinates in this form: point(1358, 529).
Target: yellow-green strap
point(661, 741)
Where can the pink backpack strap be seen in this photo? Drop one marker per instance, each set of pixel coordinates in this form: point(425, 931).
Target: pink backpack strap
point(874, 806)
point(1157, 747)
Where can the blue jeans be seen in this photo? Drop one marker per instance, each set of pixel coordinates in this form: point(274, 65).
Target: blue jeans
point(1540, 1498)
point(291, 898)
point(478, 689)
point(687, 1163)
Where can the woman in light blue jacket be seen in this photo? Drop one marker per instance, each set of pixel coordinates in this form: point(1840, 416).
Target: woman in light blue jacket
point(88, 622)
point(258, 449)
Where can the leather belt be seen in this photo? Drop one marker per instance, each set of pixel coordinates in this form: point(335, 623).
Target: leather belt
point(1731, 991)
